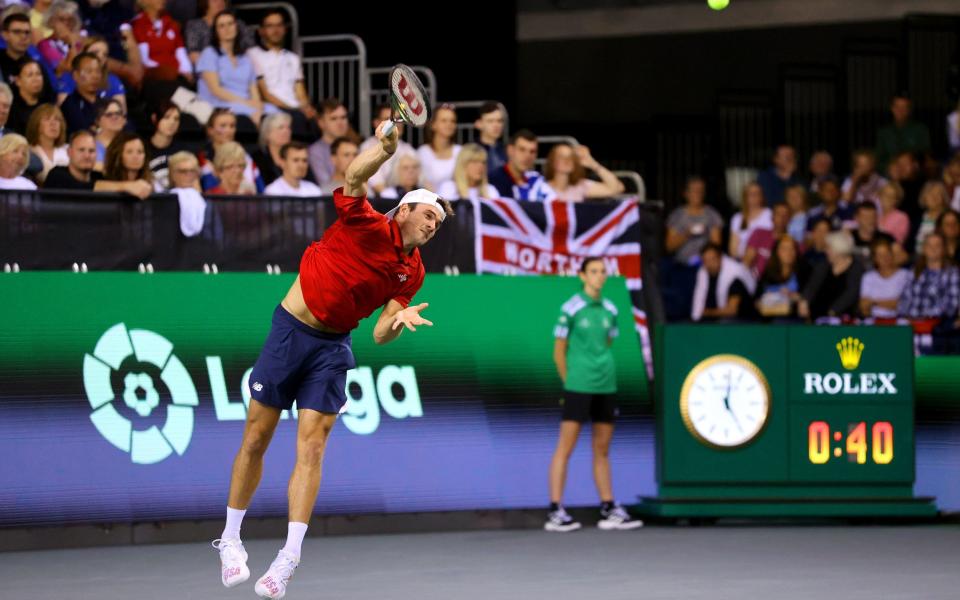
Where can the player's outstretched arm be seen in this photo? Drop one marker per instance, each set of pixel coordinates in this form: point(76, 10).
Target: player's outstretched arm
point(395, 317)
point(369, 161)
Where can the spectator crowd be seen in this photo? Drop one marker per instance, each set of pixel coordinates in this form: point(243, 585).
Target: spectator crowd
point(103, 95)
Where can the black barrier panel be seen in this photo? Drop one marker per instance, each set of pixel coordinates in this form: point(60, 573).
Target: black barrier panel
point(51, 230)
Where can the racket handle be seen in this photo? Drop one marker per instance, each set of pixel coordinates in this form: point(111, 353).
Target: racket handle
point(389, 128)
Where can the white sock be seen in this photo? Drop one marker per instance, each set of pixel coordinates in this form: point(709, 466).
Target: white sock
point(234, 518)
point(295, 533)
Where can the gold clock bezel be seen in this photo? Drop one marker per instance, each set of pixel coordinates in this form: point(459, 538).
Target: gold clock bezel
point(695, 372)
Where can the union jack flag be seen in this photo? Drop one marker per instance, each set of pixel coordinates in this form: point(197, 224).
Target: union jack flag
point(554, 237)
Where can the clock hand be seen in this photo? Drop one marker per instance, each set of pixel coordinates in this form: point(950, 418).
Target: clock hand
point(726, 397)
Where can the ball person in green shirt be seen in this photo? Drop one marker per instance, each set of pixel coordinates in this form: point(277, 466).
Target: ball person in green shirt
point(585, 330)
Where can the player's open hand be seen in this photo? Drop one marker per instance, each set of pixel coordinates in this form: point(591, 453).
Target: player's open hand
point(410, 317)
point(389, 142)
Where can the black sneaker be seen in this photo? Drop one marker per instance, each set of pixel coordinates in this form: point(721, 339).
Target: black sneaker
point(617, 518)
point(559, 521)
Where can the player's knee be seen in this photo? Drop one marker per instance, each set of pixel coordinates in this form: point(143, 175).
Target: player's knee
point(601, 449)
point(310, 452)
point(255, 442)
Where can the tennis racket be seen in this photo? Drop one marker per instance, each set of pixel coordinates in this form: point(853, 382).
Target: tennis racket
point(408, 99)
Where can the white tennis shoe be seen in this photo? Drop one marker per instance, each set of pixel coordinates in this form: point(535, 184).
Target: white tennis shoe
point(273, 584)
point(233, 561)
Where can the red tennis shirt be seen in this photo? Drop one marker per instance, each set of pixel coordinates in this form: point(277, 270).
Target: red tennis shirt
point(358, 266)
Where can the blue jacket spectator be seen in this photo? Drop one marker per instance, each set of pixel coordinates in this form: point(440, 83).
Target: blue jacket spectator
point(781, 175)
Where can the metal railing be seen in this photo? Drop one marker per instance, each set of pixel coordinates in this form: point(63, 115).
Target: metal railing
point(633, 184)
point(378, 92)
point(259, 7)
point(466, 133)
point(339, 70)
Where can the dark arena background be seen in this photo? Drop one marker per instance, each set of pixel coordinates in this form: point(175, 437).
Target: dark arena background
point(772, 186)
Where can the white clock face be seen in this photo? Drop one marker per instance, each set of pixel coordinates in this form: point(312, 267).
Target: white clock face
point(725, 401)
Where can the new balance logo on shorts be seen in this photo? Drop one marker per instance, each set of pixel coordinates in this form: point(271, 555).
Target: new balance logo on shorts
point(257, 386)
point(402, 277)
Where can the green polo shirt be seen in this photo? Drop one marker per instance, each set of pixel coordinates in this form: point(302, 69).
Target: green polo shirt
point(588, 325)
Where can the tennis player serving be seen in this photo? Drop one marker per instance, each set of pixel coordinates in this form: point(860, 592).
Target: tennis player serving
point(364, 261)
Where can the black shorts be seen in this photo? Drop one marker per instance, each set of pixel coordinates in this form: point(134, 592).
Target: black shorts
point(599, 408)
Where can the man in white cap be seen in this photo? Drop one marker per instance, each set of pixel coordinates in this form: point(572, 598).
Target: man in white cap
point(364, 261)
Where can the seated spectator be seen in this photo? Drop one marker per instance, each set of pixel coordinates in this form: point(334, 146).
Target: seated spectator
point(344, 151)
point(903, 134)
point(753, 215)
point(38, 20)
point(80, 107)
point(933, 291)
point(951, 179)
point(6, 102)
point(14, 157)
point(109, 20)
point(694, 225)
point(17, 35)
point(821, 167)
point(185, 183)
point(761, 241)
point(796, 200)
point(781, 174)
point(724, 288)
point(948, 226)
point(867, 232)
point(109, 123)
point(404, 178)
point(934, 202)
point(864, 183)
point(198, 32)
point(469, 176)
point(110, 85)
point(229, 164)
point(490, 125)
point(905, 171)
point(379, 179)
point(834, 286)
point(221, 130)
point(517, 179)
point(333, 123)
point(29, 88)
point(293, 160)
point(64, 41)
point(78, 174)
point(47, 135)
point(165, 119)
point(815, 250)
point(226, 74)
point(162, 52)
point(127, 163)
point(275, 133)
point(953, 130)
point(438, 156)
point(778, 290)
point(832, 208)
point(564, 172)
point(279, 71)
point(893, 221)
point(881, 287)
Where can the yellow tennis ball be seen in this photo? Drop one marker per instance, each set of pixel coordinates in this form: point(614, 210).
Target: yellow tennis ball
point(718, 4)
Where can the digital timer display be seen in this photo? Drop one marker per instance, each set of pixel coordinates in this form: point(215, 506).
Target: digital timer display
point(859, 442)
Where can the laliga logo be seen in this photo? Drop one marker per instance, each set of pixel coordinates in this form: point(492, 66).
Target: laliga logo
point(394, 390)
point(850, 350)
point(145, 446)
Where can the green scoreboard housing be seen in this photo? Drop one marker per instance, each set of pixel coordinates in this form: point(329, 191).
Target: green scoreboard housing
point(785, 421)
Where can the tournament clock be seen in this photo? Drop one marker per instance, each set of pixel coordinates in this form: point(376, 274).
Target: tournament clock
point(771, 420)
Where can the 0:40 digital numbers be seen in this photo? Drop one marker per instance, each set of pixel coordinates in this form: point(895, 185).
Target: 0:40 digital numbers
point(820, 438)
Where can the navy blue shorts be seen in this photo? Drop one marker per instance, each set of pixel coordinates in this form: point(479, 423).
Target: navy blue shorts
point(303, 364)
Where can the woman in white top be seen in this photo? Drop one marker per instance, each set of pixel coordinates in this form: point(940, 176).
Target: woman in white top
point(880, 288)
point(565, 172)
point(14, 156)
point(753, 215)
point(469, 177)
point(438, 156)
point(405, 177)
point(47, 136)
